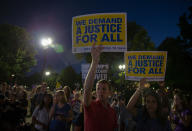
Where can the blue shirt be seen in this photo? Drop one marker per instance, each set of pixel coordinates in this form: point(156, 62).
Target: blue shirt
point(60, 125)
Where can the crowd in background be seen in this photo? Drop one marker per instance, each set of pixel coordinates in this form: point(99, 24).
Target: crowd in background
point(62, 109)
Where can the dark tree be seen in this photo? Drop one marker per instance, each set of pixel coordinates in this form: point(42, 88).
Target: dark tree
point(179, 61)
point(16, 52)
point(185, 25)
point(68, 77)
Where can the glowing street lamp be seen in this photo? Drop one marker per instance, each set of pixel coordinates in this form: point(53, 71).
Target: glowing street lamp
point(46, 42)
point(13, 75)
point(47, 73)
point(122, 67)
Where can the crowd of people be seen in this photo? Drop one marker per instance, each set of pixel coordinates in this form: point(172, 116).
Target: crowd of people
point(101, 110)
point(13, 107)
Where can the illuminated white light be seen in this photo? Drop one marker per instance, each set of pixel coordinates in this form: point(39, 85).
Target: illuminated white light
point(46, 42)
point(121, 67)
point(47, 73)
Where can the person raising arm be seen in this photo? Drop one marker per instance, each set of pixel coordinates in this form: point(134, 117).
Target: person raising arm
point(98, 115)
point(150, 116)
point(133, 100)
point(89, 81)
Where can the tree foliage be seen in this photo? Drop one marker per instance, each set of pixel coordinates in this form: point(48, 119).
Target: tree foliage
point(69, 77)
point(138, 39)
point(16, 52)
point(185, 25)
point(179, 61)
point(35, 78)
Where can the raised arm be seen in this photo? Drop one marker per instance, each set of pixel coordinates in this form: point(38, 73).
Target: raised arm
point(135, 96)
point(89, 80)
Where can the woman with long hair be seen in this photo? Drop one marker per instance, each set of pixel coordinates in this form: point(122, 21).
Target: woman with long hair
point(61, 113)
point(40, 117)
point(68, 94)
point(179, 101)
point(180, 115)
point(149, 117)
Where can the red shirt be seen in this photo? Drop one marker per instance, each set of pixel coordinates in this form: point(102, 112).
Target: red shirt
point(99, 118)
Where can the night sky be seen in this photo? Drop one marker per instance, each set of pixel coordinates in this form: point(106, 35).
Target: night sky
point(53, 18)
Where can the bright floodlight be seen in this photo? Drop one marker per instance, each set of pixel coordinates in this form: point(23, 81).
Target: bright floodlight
point(46, 42)
point(121, 67)
point(47, 73)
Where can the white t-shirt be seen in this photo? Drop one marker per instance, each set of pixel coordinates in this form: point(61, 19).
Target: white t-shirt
point(42, 116)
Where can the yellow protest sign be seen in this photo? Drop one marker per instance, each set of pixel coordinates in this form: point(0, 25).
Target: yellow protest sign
point(58, 85)
point(108, 29)
point(145, 64)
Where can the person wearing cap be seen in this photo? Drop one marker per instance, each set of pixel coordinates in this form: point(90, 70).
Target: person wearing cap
point(98, 115)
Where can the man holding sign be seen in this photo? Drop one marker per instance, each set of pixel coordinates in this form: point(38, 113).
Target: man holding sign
point(99, 116)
